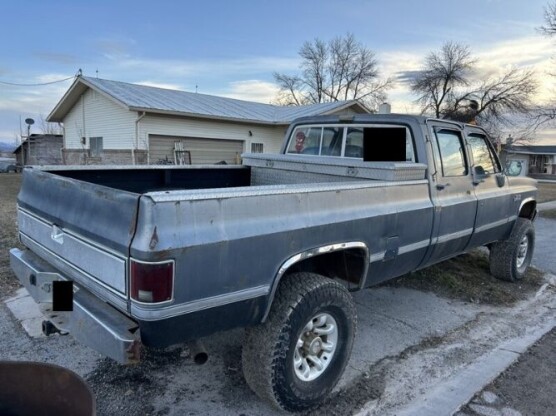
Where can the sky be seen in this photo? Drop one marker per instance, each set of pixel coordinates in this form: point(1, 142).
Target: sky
point(232, 48)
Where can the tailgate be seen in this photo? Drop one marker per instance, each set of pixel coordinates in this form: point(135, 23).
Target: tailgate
point(84, 228)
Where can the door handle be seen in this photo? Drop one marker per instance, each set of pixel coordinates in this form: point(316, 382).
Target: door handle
point(441, 186)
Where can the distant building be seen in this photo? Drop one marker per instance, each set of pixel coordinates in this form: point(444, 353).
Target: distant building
point(535, 160)
point(40, 149)
point(110, 122)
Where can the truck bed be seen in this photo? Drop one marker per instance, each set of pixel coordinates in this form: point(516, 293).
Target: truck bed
point(257, 170)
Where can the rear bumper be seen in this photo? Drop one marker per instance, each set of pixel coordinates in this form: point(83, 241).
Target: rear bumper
point(92, 322)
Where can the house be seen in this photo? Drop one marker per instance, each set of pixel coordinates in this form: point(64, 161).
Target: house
point(40, 149)
point(111, 122)
point(535, 160)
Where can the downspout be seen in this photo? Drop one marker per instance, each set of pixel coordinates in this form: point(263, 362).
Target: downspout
point(64, 148)
point(139, 117)
point(84, 137)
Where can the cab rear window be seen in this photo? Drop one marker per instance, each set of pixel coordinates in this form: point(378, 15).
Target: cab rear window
point(370, 143)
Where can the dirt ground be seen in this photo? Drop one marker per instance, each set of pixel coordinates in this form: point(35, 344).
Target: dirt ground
point(467, 277)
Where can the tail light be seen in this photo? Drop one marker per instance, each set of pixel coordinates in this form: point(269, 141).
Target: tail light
point(152, 282)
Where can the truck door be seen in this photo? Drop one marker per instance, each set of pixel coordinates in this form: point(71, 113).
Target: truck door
point(452, 192)
point(493, 220)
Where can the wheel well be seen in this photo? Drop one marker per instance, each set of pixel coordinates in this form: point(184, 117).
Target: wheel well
point(349, 265)
point(528, 210)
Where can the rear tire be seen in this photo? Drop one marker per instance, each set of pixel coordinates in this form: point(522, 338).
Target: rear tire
point(510, 259)
point(298, 355)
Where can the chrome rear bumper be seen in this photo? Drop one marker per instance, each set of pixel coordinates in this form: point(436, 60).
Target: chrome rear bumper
point(92, 322)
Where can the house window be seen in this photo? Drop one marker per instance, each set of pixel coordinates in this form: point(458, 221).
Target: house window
point(257, 148)
point(95, 146)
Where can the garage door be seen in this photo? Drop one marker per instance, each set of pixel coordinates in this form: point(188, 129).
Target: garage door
point(203, 151)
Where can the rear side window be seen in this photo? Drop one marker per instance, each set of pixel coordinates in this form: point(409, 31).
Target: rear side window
point(452, 156)
point(326, 141)
point(374, 143)
point(483, 155)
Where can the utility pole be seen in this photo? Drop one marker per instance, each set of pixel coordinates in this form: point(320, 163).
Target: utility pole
point(29, 122)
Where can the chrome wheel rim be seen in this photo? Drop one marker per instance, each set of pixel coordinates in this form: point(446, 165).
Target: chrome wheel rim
point(315, 347)
point(522, 251)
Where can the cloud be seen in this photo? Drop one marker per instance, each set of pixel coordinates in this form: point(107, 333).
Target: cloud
point(525, 51)
point(407, 76)
point(36, 99)
point(115, 48)
point(205, 68)
point(56, 57)
point(252, 90)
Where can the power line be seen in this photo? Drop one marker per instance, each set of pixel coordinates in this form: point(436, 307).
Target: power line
point(37, 84)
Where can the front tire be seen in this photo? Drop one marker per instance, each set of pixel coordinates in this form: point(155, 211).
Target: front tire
point(298, 355)
point(510, 259)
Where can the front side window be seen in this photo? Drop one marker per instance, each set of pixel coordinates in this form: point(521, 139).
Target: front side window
point(452, 157)
point(482, 153)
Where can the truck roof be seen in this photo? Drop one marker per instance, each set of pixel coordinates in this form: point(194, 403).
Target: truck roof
point(372, 118)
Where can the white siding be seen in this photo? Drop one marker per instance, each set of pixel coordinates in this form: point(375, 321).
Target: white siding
point(94, 115)
point(101, 118)
point(270, 136)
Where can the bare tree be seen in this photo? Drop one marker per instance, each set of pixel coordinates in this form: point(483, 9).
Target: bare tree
point(342, 69)
point(503, 97)
point(546, 114)
point(448, 88)
point(549, 27)
point(49, 128)
point(443, 72)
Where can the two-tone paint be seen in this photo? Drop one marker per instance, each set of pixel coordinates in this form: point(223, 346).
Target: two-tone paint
point(232, 243)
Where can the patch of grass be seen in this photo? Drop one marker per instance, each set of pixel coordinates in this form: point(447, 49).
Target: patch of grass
point(9, 187)
point(547, 192)
point(551, 213)
point(467, 277)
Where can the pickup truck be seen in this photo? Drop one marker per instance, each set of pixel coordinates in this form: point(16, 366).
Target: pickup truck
point(163, 255)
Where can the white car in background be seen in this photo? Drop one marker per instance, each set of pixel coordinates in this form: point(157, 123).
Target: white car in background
point(8, 165)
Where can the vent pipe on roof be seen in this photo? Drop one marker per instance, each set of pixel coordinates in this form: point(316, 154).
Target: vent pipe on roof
point(384, 108)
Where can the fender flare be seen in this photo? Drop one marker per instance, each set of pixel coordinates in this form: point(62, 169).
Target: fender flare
point(317, 251)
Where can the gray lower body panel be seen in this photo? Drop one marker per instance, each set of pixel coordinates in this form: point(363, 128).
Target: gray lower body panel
point(92, 322)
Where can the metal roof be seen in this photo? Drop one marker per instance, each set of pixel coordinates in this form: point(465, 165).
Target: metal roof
point(159, 100)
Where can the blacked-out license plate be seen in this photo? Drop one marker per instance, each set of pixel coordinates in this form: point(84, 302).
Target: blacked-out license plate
point(62, 296)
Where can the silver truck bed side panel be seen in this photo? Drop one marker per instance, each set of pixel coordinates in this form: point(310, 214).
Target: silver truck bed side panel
point(238, 238)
